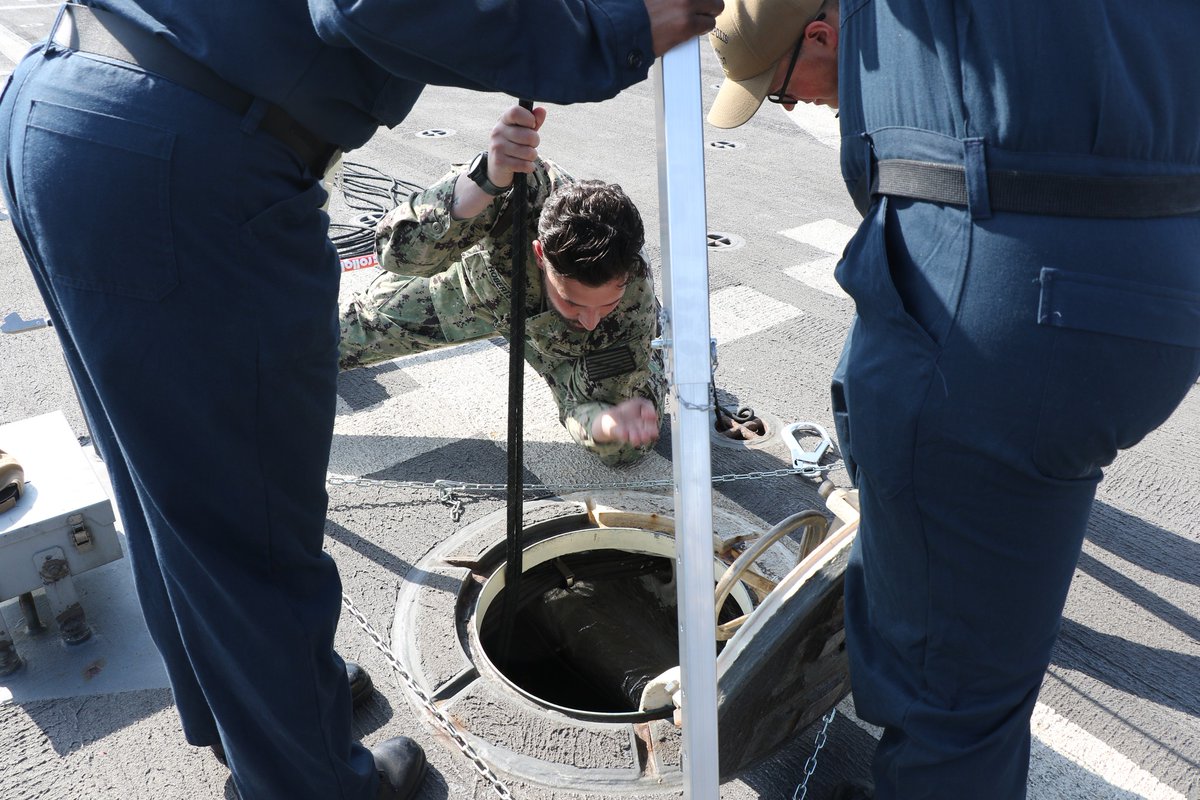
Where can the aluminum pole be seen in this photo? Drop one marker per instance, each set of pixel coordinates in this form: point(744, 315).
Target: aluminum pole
point(686, 340)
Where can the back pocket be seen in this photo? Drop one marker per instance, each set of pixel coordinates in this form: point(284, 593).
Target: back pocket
point(99, 190)
point(1125, 354)
point(1119, 307)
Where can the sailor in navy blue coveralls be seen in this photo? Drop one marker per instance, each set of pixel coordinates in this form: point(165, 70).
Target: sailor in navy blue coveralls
point(171, 213)
point(1015, 329)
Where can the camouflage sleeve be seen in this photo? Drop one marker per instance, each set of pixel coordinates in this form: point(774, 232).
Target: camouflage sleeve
point(420, 237)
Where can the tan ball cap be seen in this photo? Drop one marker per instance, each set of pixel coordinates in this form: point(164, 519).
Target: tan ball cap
point(750, 38)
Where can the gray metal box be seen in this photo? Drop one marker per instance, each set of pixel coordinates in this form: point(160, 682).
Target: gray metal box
point(64, 506)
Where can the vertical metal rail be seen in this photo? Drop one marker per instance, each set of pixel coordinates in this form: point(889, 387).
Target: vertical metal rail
point(686, 339)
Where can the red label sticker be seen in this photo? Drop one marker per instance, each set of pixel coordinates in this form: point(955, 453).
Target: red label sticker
point(359, 262)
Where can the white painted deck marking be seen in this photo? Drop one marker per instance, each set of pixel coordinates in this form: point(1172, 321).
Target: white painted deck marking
point(12, 45)
point(440, 412)
point(1099, 770)
point(1068, 763)
point(819, 275)
point(818, 122)
point(738, 311)
point(828, 235)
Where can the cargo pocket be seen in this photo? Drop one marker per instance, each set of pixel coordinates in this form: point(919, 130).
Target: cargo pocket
point(1124, 355)
point(114, 175)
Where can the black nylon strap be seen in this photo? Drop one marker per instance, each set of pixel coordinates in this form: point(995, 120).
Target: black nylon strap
point(1099, 196)
point(99, 32)
point(513, 568)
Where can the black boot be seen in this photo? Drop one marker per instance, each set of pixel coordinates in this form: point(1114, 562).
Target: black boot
point(401, 765)
point(361, 685)
point(853, 790)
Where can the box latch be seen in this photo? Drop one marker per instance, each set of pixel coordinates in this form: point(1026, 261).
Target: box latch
point(81, 537)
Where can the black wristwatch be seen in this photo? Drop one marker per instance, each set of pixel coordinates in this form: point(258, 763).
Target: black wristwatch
point(479, 174)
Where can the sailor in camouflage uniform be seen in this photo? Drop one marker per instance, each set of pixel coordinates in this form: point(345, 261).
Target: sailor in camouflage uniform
point(592, 310)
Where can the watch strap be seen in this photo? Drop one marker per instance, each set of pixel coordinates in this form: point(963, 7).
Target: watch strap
point(479, 175)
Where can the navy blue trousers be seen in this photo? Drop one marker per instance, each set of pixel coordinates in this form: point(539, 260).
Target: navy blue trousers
point(184, 261)
point(994, 368)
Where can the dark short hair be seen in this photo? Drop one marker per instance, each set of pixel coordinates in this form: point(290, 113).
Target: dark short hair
point(592, 232)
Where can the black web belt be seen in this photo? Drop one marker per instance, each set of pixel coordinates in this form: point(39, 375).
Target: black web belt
point(1108, 197)
point(99, 32)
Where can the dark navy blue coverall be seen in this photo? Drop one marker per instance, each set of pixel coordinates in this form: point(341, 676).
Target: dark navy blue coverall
point(183, 257)
point(999, 359)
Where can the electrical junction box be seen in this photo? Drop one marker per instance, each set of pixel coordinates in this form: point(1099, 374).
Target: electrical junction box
point(64, 523)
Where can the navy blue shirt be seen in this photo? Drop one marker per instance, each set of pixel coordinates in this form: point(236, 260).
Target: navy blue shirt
point(342, 68)
point(1074, 86)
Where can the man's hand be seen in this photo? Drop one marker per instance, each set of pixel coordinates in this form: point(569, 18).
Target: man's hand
point(675, 21)
point(514, 143)
point(512, 149)
point(634, 421)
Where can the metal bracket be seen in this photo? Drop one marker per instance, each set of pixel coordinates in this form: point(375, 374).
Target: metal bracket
point(60, 592)
point(14, 324)
point(801, 457)
point(10, 661)
point(659, 343)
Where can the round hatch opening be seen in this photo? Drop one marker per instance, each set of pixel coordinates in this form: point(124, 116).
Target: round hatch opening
point(596, 622)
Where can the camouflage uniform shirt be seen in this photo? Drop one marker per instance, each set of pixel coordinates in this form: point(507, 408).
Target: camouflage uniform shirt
point(450, 281)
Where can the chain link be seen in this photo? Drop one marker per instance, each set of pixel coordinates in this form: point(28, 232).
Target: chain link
point(447, 724)
point(810, 766)
point(449, 492)
point(498, 786)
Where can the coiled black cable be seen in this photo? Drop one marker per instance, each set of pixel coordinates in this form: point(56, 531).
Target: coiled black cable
point(373, 193)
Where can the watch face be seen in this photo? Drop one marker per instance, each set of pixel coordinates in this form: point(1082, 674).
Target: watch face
point(478, 171)
point(478, 174)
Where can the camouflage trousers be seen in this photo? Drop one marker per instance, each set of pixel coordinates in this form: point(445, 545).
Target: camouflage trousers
point(396, 316)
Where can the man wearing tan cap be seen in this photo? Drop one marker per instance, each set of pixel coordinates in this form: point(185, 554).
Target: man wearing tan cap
point(784, 51)
point(1031, 194)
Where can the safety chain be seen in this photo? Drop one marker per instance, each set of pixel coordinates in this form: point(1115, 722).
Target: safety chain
point(449, 491)
point(810, 766)
point(502, 791)
point(442, 718)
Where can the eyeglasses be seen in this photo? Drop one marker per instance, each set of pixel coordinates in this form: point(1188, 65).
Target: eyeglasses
point(781, 96)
